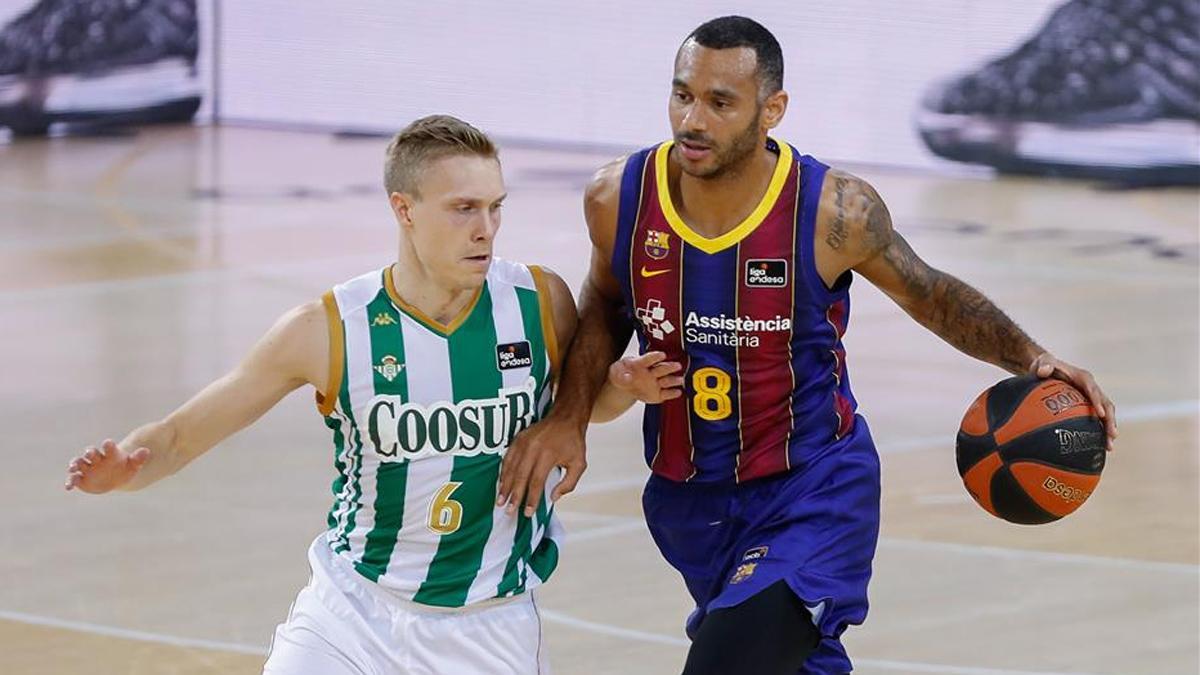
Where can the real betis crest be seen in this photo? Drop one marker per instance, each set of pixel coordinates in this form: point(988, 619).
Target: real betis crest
point(389, 367)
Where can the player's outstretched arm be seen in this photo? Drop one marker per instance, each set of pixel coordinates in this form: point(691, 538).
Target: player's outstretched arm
point(950, 308)
point(559, 439)
point(294, 352)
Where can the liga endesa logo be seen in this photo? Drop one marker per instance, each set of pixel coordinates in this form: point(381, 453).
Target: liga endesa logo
point(513, 355)
point(769, 273)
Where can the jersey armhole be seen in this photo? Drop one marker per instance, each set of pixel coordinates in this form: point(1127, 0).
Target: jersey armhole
point(546, 310)
point(337, 347)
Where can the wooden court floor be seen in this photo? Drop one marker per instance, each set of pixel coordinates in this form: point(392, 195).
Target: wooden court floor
point(133, 270)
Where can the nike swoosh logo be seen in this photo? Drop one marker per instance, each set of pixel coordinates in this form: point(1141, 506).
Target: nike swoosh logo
point(652, 273)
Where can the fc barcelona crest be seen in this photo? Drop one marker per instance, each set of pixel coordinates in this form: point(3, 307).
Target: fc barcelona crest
point(743, 572)
point(658, 244)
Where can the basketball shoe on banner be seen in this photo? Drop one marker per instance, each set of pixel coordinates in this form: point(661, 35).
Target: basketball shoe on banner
point(1105, 89)
point(107, 61)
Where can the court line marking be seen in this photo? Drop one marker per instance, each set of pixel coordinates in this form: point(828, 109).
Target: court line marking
point(1041, 556)
point(550, 615)
point(882, 664)
point(125, 633)
point(635, 524)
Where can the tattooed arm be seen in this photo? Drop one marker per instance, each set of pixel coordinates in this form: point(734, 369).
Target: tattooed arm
point(856, 231)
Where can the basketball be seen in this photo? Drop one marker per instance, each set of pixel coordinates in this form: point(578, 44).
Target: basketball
point(1030, 450)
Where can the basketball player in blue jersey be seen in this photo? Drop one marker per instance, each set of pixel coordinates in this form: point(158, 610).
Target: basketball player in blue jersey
point(732, 253)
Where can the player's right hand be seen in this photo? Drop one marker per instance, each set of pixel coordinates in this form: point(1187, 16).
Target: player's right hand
point(106, 468)
point(649, 378)
point(530, 458)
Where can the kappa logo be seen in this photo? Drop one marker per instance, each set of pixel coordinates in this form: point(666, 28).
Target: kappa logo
point(389, 367)
point(658, 244)
point(513, 355)
point(766, 273)
point(383, 319)
point(654, 319)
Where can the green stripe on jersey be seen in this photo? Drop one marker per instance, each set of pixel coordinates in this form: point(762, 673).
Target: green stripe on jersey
point(334, 422)
point(544, 559)
point(346, 423)
point(531, 315)
point(390, 378)
point(474, 375)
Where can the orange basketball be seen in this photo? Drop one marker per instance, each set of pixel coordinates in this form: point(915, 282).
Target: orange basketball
point(1030, 450)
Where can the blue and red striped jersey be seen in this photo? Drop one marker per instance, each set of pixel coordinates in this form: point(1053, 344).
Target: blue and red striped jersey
point(756, 328)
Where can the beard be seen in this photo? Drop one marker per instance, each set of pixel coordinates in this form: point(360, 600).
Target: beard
point(730, 157)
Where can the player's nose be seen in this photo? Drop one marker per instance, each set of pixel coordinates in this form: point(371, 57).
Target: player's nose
point(693, 119)
point(488, 225)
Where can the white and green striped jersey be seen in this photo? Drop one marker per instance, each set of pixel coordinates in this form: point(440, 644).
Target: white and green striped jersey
point(422, 414)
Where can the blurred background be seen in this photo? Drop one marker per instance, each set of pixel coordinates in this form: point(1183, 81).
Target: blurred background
point(1087, 87)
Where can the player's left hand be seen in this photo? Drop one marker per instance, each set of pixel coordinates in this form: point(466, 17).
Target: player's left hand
point(649, 378)
point(1046, 365)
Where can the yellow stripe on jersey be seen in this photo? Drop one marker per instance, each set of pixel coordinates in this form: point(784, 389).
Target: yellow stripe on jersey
point(547, 312)
point(424, 319)
point(337, 349)
point(783, 166)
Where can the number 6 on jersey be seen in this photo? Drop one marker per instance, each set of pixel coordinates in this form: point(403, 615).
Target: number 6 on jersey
point(445, 514)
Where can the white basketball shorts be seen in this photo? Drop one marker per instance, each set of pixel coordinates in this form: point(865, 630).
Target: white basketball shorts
point(343, 624)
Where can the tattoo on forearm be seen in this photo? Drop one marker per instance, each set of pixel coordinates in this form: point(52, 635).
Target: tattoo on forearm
point(837, 229)
point(959, 314)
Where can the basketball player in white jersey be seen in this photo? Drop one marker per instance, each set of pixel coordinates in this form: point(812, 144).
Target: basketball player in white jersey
point(424, 371)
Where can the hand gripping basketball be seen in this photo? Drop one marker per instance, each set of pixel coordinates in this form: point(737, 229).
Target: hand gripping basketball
point(1030, 450)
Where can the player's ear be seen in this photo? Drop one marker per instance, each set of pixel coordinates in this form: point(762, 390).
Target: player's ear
point(773, 109)
point(402, 208)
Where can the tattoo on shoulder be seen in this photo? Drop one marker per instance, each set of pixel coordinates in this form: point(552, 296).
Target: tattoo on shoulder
point(860, 220)
point(836, 236)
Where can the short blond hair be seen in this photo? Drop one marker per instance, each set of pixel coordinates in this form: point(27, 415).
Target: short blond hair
point(428, 139)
